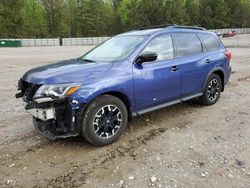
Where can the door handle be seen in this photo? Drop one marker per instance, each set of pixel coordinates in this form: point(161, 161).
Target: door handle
point(207, 61)
point(174, 68)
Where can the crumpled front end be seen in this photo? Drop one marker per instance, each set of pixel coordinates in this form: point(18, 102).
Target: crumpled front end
point(52, 117)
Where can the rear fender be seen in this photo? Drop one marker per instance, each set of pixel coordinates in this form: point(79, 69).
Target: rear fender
point(212, 72)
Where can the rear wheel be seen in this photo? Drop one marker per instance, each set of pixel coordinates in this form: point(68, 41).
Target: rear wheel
point(212, 90)
point(105, 119)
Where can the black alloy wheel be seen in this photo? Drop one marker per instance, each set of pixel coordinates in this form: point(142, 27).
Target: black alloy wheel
point(104, 120)
point(212, 90)
point(107, 121)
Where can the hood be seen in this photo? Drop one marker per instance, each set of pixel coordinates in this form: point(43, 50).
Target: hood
point(69, 71)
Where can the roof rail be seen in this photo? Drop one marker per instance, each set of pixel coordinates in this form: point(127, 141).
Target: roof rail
point(168, 26)
point(158, 26)
point(187, 27)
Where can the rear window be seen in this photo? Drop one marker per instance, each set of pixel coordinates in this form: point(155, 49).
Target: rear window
point(210, 42)
point(187, 44)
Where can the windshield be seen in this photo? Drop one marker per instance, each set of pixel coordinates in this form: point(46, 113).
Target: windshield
point(114, 49)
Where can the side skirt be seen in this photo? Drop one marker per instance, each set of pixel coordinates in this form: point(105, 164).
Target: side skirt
point(160, 106)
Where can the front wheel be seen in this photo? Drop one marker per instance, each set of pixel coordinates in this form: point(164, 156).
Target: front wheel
point(104, 120)
point(212, 90)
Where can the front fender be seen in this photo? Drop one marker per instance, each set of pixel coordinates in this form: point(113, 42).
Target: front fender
point(119, 79)
point(87, 95)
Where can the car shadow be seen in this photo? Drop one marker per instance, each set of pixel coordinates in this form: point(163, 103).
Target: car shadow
point(177, 109)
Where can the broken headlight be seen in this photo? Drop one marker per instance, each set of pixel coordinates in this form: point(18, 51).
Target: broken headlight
point(58, 90)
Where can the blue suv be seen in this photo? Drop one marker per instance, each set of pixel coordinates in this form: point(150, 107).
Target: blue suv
point(133, 73)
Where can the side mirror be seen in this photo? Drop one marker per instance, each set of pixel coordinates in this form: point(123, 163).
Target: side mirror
point(146, 57)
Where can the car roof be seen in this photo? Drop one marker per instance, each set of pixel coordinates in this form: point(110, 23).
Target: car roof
point(148, 32)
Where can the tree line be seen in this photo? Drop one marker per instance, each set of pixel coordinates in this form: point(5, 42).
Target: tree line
point(82, 18)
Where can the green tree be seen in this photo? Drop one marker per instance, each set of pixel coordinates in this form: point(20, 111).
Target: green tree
point(239, 12)
point(146, 13)
point(117, 27)
point(81, 18)
point(95, 18)
point(54, 15)
point(34, 22)
point(178, 14)
point(213, 13)
point(246, 13)
point(192, 12)
point(71, 17)
point(10, 17)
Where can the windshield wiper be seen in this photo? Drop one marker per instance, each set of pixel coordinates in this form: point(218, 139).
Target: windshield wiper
point(88, 60)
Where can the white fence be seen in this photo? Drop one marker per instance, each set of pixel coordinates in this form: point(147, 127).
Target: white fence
point(96, 40)
point(65, 41)
point(83, 41)
point(40, 42)
point(238, 30)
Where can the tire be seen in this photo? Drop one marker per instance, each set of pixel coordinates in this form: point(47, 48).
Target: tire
point(211, 93)
point(104, 120)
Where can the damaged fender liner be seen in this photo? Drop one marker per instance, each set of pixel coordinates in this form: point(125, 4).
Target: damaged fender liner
point(67, 120)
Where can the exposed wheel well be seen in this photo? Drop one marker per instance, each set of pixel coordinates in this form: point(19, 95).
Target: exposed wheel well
point(125, 100)
point(221, 75)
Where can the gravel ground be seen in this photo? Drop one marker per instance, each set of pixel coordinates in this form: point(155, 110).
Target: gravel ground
point(186, 145)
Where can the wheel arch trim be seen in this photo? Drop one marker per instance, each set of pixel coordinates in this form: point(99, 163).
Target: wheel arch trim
point(120, 94)
point(214, 70)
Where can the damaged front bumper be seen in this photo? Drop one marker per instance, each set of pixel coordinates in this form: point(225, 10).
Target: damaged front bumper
point(52, 117)
point(43, 114)
point(58, 118)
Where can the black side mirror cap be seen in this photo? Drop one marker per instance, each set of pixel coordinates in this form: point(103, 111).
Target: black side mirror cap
point(146, 57)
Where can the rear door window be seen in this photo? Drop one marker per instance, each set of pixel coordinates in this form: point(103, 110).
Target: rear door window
point(210, 42)
point(187, 44)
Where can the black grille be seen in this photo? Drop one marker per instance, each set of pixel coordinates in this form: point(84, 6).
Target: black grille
point(29, 90)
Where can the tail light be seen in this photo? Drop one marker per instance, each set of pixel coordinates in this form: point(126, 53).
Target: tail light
point(228, 55)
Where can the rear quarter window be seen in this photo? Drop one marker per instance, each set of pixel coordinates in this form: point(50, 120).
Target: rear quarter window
point(187, 44)
point(209, 41)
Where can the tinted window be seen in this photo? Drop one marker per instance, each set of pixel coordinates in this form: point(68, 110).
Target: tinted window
point(210, 42)
point(162, 45)
point(188, 44)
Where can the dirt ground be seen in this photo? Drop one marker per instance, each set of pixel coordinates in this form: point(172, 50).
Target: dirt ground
point(186, 145)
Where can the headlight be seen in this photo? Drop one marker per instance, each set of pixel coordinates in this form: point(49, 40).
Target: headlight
point(59, 90)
